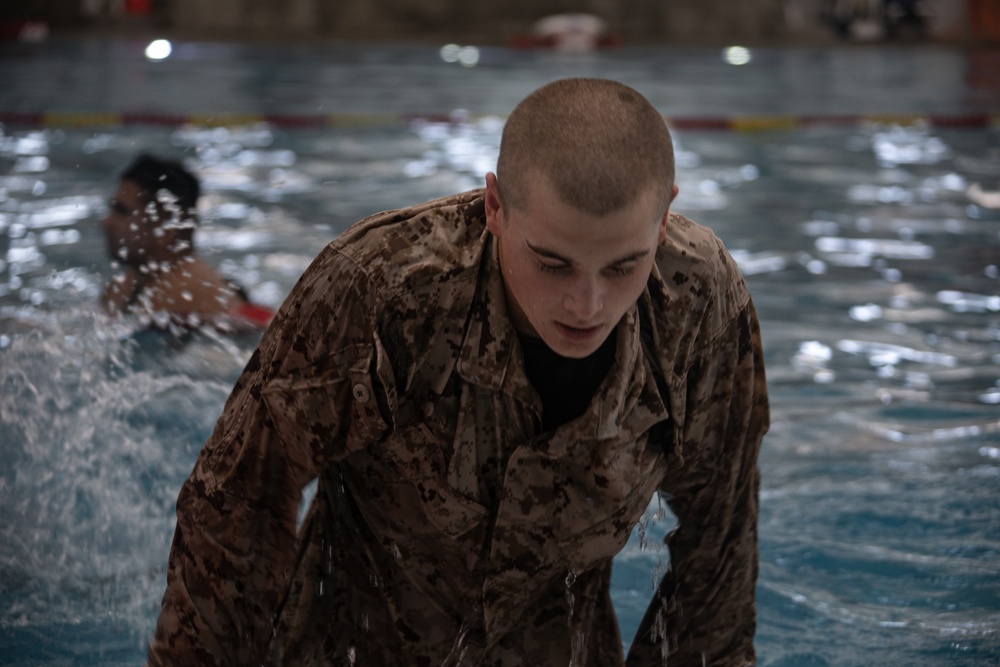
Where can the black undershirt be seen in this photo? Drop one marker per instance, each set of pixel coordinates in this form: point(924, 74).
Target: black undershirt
point(565, 385)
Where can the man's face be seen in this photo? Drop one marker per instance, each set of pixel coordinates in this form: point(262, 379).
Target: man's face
point(570, 276)
point(132, 236)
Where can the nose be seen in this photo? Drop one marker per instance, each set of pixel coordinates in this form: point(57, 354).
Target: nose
point(584, 299)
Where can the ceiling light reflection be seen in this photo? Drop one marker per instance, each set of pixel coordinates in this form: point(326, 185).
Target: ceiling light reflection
point(449, 52)
point(467, 56)
point(736, 55)
point(159, 49)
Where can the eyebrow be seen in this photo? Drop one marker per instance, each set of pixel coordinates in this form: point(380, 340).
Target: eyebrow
point(549, 254)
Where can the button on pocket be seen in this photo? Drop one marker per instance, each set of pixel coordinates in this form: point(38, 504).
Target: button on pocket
point(361, 393)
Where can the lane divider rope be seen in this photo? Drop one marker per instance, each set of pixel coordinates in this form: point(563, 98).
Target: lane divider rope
point(749, 123)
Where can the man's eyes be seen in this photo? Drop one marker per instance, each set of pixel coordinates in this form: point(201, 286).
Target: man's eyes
point(561, 269)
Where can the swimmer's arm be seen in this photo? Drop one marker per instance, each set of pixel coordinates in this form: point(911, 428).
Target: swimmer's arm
point(297, 406)
point(705, 604)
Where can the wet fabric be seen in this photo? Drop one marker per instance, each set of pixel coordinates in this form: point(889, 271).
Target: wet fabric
point(448, 528)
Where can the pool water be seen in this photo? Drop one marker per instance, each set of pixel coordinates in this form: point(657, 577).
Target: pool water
point(875, 272)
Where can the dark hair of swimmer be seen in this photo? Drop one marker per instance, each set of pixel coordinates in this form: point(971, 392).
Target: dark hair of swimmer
point(154, 174)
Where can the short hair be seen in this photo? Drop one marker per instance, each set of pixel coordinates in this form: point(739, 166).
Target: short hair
point(153, 174)
point(600, 143)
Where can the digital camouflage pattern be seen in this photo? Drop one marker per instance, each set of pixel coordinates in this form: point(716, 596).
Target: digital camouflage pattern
point(447, 528)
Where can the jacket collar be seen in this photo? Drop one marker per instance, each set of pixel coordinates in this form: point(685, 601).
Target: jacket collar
point(491, 354)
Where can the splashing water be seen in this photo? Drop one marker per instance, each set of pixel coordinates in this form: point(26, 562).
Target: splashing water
point(96, 435)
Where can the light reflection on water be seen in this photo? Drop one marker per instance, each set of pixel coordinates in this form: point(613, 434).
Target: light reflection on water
point(874, 273)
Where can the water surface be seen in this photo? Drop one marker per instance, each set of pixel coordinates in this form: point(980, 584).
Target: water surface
point(875, 273)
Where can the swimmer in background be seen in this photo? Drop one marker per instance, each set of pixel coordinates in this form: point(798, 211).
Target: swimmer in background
point(149, 230)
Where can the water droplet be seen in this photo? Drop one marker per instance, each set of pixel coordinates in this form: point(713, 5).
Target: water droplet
point(570, 598)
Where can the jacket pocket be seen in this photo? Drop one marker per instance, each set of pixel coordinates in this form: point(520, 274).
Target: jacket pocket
point(588, 503)
point(407, 474)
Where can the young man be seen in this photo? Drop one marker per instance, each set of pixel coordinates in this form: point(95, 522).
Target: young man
point(149, 230)
point(490, 388)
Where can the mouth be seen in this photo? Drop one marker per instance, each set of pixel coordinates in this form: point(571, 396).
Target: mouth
point(577, 333)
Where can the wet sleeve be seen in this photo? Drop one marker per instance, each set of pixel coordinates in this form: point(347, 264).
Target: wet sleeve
point(703, 612)
point(311, 393)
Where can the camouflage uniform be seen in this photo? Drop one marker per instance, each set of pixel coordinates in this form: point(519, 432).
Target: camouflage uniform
point(447, 528)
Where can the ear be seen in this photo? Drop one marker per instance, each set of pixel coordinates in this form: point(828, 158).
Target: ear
point(662, 235)
point(494, 208)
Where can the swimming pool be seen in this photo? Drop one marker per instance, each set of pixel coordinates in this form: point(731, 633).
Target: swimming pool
point(876, 277)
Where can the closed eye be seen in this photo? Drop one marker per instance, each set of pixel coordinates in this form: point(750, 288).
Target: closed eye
point(621, 270)
point(120, 208)
point(553, 268)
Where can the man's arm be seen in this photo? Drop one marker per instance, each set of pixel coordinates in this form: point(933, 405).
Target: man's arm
point(703, 612)
point(307, 396)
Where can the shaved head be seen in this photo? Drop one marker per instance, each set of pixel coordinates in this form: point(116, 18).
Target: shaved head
point(600, 144)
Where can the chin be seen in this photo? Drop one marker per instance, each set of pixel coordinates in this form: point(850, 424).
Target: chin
point(574, 349)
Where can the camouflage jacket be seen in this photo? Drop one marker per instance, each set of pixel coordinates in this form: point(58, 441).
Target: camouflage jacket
point(447, 528)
